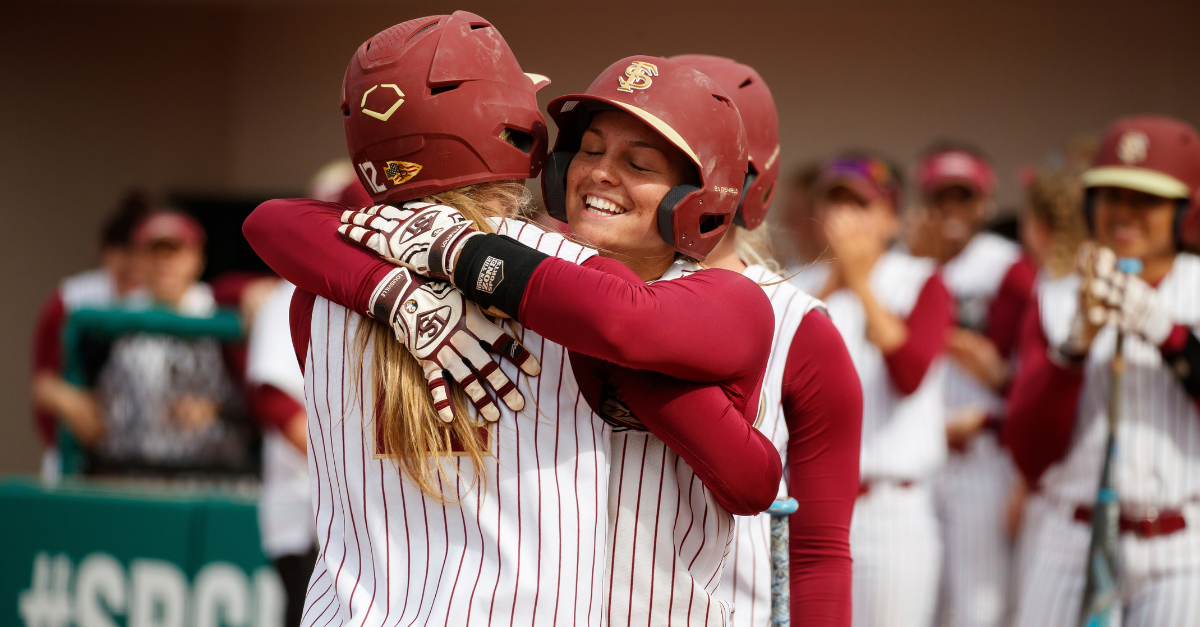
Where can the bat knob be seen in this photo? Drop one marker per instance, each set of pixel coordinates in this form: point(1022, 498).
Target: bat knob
point(784, 507)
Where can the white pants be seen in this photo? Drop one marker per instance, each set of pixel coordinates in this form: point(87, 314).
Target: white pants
point(972, 492)
point(1159, 577)
point(897, 557)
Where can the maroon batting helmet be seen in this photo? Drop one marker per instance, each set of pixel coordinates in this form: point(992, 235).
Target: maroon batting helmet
point(753, 99)
point(688, 109)
point(437, 103)
point(1154, 154)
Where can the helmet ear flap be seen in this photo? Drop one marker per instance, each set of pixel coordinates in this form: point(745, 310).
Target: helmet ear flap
point(666, 210)
point(554, 183)
point(738, 218)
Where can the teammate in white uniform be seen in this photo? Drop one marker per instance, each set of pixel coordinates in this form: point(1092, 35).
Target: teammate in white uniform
point(812, 402)
point(546, 469)
point(114, 281)
point(1144, 180)
point(893, 312)
point(1052, 228)
point(991, 287)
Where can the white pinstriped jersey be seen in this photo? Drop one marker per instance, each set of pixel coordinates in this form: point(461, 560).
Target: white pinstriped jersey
point(668, 535)
point(973, 278)
point(746, 580)
point(1158, 436)
point(903, 436)
point(525, 547)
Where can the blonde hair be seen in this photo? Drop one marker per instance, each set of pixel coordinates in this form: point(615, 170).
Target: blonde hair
point(755, 247)
point(1056, 199)
point(409, 429)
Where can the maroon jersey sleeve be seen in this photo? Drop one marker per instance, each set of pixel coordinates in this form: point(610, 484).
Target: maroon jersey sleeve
point(927, 325)
point(1041, 405)
point(300, 318)
point(48, 357)
point(1008, 307)
point(683, 327)
point(273, 407)
point(710, 433)
point(822, 404)
point(299, 240)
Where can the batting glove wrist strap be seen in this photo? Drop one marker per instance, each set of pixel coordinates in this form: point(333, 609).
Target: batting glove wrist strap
point(494, 270)
point(1186, 365)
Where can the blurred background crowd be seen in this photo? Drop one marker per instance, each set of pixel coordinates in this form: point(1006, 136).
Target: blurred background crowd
point(138, 135)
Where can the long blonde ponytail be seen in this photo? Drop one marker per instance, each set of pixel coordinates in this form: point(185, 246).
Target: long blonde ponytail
point(406, 427)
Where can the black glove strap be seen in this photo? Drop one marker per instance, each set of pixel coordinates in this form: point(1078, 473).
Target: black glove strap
point(1186, 365)
point(493, 270)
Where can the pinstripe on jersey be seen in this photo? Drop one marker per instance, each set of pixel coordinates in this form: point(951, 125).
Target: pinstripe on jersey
point(522, 548)
point(668, 536)
point(1157, 467)
point(746, 580)
point(903, 436)
point(972, 488)
point(893, 534)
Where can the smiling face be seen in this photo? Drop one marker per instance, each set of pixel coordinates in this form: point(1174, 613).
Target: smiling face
point(614, 185)
point(1135, 224)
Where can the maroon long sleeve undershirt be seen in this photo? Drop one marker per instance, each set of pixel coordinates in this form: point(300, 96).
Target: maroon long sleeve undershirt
point(273, 407)
point(822, 404)
point(48, 359)
point(1044, 399)
point(709, 432)
point(927, 324)
point(1041, 404)
point(601, 308)
point(1007, 308)
point(299, 240)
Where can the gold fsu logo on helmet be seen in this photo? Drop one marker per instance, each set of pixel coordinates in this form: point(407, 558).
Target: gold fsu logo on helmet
point(637, 76)
point(1133, 147)
point(400, 172)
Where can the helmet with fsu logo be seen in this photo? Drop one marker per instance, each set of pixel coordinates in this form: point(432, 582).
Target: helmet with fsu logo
point(437, 103)
point(1153, 154)
point(753, 99)
point(685, 107)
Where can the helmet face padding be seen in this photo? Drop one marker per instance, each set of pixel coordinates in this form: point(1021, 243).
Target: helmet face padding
point(687, 109)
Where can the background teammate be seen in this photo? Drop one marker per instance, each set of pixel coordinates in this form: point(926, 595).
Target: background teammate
point(991, 285)
point(812, 401)
point(893, 313)
point(1145, 178)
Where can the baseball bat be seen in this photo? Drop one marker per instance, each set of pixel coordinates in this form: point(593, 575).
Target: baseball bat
point(781, 593)
point(1100, 601)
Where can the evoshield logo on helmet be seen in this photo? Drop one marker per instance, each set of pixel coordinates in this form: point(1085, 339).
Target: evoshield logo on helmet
point(1133, 147)
point(383, 117)
point(401, 172)
point(637, 76)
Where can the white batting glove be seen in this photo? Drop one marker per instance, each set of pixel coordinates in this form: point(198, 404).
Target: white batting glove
point(422, 237)
point(1141, 312)
point(1108, 295)
point(445, 332)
